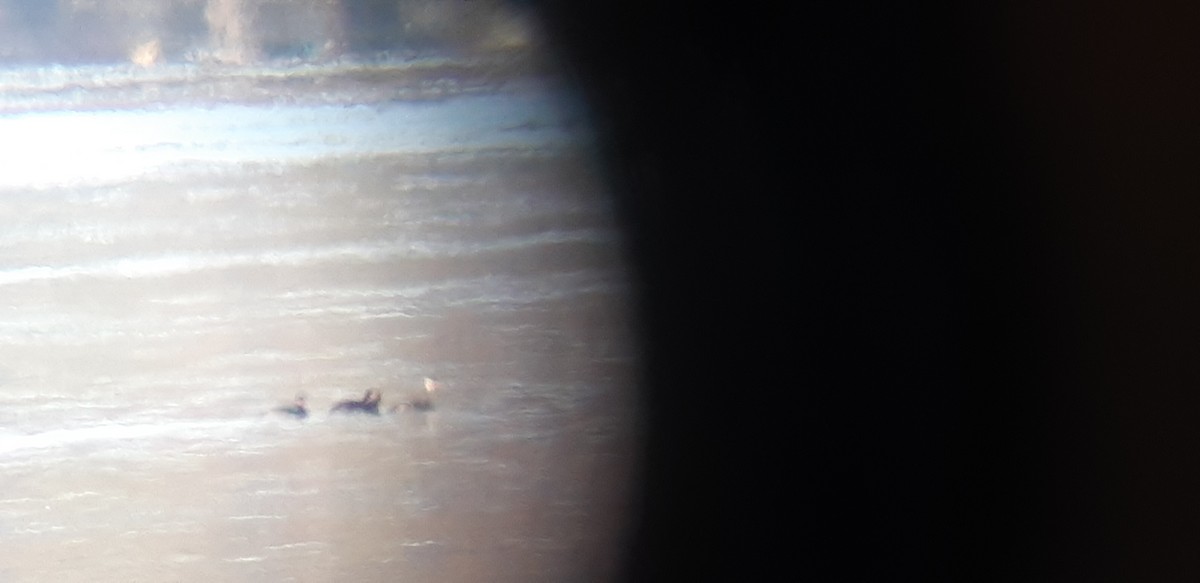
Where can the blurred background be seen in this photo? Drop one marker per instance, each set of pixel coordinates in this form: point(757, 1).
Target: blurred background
point(241, 31)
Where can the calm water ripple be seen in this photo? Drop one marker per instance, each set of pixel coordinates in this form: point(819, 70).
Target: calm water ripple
point(170, 274)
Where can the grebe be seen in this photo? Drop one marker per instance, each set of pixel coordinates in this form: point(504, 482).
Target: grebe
point(369, 404)
point(420, 402)
point(298, 409)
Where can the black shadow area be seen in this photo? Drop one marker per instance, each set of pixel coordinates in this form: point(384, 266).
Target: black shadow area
point(918, 285)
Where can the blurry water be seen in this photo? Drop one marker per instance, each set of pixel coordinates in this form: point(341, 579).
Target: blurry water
point(48, 148)
point(170, 273)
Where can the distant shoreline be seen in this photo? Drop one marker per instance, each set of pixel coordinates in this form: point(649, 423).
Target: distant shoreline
point(344, 81)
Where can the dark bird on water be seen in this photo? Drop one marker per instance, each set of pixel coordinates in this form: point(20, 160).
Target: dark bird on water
point(298, 409)
point(369, 404)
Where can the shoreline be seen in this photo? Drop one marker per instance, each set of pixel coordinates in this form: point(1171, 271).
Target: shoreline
point(341, 82)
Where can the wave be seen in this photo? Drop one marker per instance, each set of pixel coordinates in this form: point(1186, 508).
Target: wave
point(165, 265)
point(111, 145)
point(115, 432)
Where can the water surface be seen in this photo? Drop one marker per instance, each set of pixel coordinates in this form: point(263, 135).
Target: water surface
point(171, 271)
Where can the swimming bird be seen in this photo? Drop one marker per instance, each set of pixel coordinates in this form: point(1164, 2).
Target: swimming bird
point(298, 409)
point(369, 404)
point(423, 402)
